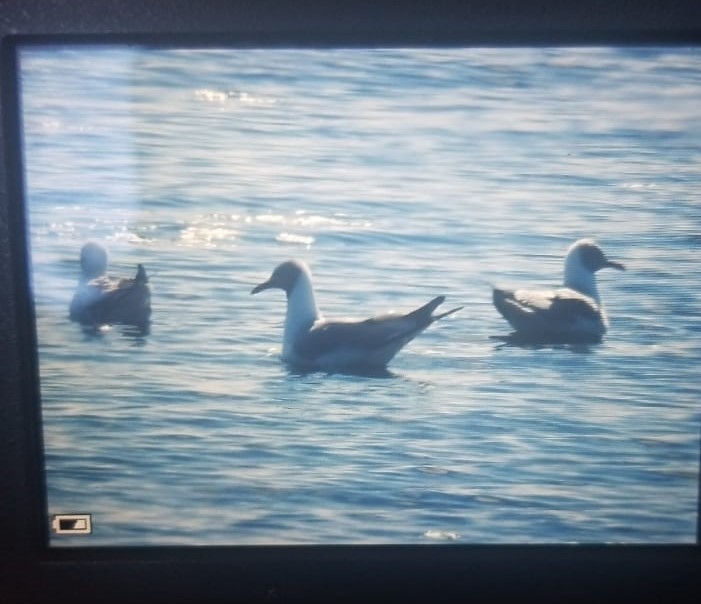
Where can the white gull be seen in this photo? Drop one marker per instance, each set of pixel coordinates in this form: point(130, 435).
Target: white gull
point(572, 313)
point(312, 343)
point(102, 300)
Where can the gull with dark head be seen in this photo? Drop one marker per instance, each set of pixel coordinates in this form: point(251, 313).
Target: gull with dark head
point(312, 343)
point(572, 313)
point(102, 300)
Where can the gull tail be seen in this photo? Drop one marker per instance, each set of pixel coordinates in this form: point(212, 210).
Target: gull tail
point(424, 314)
point(446, 313)
point(141, 276)
point(501, 299)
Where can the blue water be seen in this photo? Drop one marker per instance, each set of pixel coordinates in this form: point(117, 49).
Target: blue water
point(397, 175)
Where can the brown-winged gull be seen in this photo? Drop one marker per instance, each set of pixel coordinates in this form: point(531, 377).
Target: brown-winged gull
point(312, 343)
point(571, 313)
point(103, 300)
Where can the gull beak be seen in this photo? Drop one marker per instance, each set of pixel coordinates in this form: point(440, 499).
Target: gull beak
point(614, 264)
point(265, 285)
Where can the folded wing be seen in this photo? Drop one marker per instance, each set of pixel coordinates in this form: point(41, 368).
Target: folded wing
point(105, 301)
point(372, 342)
point(563, 314)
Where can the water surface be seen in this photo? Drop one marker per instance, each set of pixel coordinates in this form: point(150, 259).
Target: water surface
point(397, 175)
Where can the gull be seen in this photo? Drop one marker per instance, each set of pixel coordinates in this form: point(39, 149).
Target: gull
point(312, 343)
point(571, 313)
point(102, 300)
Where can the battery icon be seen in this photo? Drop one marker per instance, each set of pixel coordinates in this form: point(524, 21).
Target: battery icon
point(71, 524)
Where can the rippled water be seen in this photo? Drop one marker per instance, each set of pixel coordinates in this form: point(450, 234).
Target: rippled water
point(397, 175)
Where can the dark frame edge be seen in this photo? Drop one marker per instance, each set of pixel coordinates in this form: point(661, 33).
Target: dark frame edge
point(21, 423)
point(543, 573)
point(577, 573)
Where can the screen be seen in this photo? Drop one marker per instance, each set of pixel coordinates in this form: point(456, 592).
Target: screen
point(180, 408)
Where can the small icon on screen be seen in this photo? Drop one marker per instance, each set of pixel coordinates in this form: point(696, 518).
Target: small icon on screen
point(71, 524)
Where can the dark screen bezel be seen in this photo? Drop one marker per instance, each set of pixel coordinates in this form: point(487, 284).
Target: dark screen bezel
point(35, 572)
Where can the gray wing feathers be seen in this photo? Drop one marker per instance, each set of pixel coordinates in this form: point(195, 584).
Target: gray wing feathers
point(371, 334)
point(543, 313)
point(122, 301)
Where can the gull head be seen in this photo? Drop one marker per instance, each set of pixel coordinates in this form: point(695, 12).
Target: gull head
point(93, 260)
point(589, 255)
point(285, 277)
point(584, 258)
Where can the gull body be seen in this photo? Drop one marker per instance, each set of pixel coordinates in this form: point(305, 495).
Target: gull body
point(571, 313)
point(312, 343)
point(102, 300)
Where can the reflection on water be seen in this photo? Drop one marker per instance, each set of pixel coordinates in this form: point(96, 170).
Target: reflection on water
point(136, 333)
point(515, 339)
point(360, 372)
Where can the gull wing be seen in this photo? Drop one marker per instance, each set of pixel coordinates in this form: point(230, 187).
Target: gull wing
point(373, 341)
point(563, 313)
point(104, 301)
